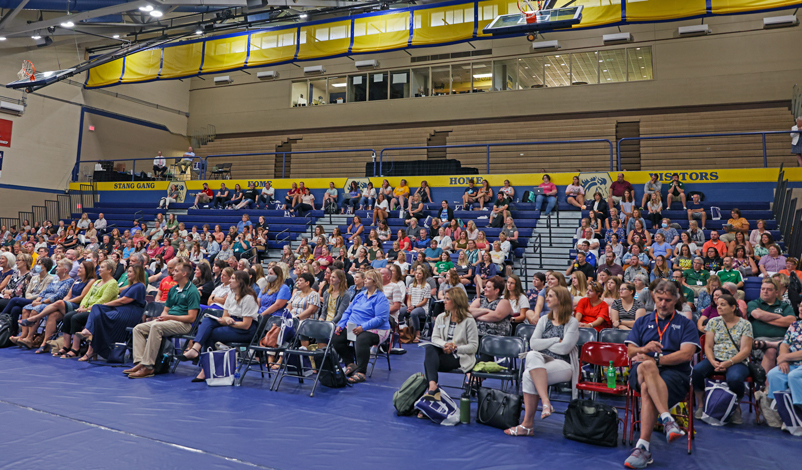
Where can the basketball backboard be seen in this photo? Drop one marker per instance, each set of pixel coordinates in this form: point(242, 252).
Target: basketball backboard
point(545, 20)
point(40, 79)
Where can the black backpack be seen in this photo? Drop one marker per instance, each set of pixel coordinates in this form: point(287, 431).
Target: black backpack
point(5, 330)
point(795, 291)
point(331, 374)
point(165, 357)
point(331, 207)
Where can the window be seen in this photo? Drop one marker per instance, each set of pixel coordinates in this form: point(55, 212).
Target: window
point(531, 73)
point(639, 63)
point(558, 70)
point(461, 78)
point(505, 74)
point(318, 94)
point(612, 66)
point(337, 90)
point(399, 84)
point(299, 94)
point(441, 80)
point(482, 76)
point(420, 82)
point(584, 68)
point(358, 87)
point(377, 88)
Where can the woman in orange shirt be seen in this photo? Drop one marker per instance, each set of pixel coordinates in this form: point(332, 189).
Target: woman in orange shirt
point(592, 311)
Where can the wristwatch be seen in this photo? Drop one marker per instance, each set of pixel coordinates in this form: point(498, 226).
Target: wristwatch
point(657, 358)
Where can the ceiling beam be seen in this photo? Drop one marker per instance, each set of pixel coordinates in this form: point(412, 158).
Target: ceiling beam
point(12, 14)
point(76, 18)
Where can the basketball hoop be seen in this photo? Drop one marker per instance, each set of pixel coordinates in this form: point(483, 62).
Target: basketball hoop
point(529, 9)
point(27, 70)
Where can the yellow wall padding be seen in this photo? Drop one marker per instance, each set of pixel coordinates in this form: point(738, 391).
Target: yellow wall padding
point(226, 53)
point(656, 10)
point(180, 61)
point(106, 74)
point(381, 32)
point(600, 12)
point(142, 66)
point(324, 40)
point(443, 24)
point(735, 6)
point(490, 9)
point(272, 46)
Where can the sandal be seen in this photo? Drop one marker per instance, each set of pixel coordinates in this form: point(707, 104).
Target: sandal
point(42, 349)
point(26, 322)
point(356, 378)
point(71, 354)
point(546, 411)
point(514, 431)
point(61, 351)
point(761, 345)
point(349, 371)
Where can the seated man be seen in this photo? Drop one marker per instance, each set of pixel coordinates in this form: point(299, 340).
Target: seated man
point(617, 189)
point(676, 189)
point(609, 264)
point(470, 195)
point(203, 197)
point(582, 266)
point(267, 195)
point(186, 162)
point(422, 242)
point(651, 186)
point(183, 303)
point(727, 274)
point(696, 277)
point(697, 211)
point(716, 243)
point(634, 269)
point(661, 346)
point(770, 319)
point(159, 165)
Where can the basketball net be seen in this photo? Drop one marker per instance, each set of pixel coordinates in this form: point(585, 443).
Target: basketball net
point(529, 9)
point(27, 70)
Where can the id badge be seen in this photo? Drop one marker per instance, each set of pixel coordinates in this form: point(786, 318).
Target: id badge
point(699, 283)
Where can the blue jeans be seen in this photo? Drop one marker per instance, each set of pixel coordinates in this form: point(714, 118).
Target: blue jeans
point(211, 331)
point(552, 201)
point(736, 376)
point(779, 382)
point(368, 201)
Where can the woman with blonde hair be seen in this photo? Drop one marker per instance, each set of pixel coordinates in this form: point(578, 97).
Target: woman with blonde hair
point(553, 279)
point(611, 286)
point(554, 337)
point(579, 285)
point(481, 242)
point(456, 338)
point(335, 298)
point(473, 232)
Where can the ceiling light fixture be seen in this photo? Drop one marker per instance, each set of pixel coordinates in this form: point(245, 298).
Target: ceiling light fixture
point(303, 16)
point(2, 38)
point(198, 32)
point(146, 8)
point(67, 24)
point(339, 85)
point(480, 76)
point(116, 36)
point(156, 14)
point(36, 36)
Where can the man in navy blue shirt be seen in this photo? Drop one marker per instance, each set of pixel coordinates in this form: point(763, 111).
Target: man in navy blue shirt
point(422, 242)
point(661, 345)
point(469, 196)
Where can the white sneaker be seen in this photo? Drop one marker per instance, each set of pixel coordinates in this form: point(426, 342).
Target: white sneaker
point(737, 418)
point(484, 208)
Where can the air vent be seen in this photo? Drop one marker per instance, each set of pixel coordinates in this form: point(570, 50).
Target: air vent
point(454, 55)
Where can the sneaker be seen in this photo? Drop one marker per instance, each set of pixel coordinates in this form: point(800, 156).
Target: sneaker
point(673, 431)
point(698, 413)
point(736, 416)
point(639, 458)
point(432, 395)
point(484, 208)
point(194, 207)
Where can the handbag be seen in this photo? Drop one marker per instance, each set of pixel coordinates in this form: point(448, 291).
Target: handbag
point(498, 409)
point(591, 422)
point(270, 340)
point(117, 353)
point(720, 402)
point(444, 412)
point(756, 371)
point(219, 367)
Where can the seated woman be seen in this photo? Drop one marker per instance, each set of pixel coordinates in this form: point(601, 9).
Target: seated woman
point(705, 296)
point(242, 248)
point(368, 314)
point(491, 311)
point(218, 297)
point(592, 311)
point(453, 329)
point(418, 295)
point(728, 343)
point(368, 197)
point(17, 283)
point(611, 287)
point(381, 209)
point(355, 230)
point(335, 298)
point(485, 194)
point(443, 266)
point(786, 375)
point(289, 198)
point(236, 197)
point(400, 196)
point(107, 322)
point(485, 270)
point(38, 282)
point(626, 309)
point(361, 260)
point(103, 290)
point(204, 281)
point(713, 262)
point(711, 311)
point(352, 198)
point(555, 337)
point(54, 292)
point(519, 302)
point(236, 325)
point(424, 193)
point(416, 209)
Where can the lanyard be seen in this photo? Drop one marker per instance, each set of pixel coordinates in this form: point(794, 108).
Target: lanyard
point(659, 331)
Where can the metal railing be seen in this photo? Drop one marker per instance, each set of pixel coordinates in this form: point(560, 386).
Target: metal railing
point(762, 134)
point(796, 101)
point(39, 214)
point(9, 222)
point(789, 218)
point(490, 146)
point(204, 135)
point(284, 170)
point(84, 170)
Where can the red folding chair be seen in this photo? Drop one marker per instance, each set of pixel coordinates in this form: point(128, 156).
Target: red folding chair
point(749, 397)
point(601, 354)
point(634, 401)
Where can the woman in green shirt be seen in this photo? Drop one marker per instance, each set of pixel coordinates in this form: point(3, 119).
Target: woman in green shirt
point(172, 223)
point(444, 265)
point(103, 290)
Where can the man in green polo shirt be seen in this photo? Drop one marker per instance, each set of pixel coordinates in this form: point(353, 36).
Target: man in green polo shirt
point(696, 277)
point(770, 318)
point(730, 275)
point(183, 303)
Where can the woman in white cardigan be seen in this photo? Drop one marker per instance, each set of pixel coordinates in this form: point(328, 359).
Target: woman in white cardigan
point(553, 358)
point(456, 335)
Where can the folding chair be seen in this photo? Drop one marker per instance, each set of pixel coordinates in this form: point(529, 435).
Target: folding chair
point(600, 354)
point(382, 350)
point(191, 335)
point(634, 415)
point(508, 347)
point(525, 332)
point(265, 323)
point(586, 335)
point(613, 335)
point(152, 309)
point(312, 329)
point(750, 390)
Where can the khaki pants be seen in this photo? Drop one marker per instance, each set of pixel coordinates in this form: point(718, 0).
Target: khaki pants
point(727, 237)
point(696, 289)
point(148, 338)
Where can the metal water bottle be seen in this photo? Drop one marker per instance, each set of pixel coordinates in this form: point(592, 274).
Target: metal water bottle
point(465, 408)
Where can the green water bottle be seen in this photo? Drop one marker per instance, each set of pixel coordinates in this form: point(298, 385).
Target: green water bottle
point(611, 376)
point(465, 408)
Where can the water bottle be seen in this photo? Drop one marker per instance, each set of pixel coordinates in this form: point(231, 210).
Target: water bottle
point(465, 408)
point(611, 376)
point(237, 379)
